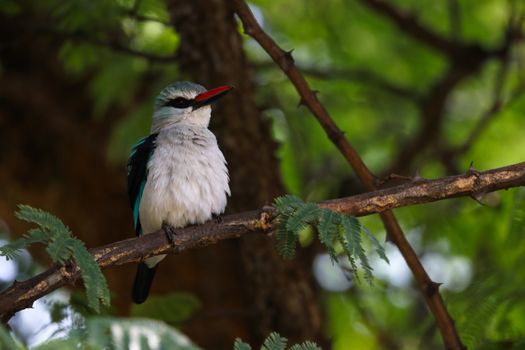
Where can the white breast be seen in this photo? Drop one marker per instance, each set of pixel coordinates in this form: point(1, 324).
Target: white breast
point(187, 179)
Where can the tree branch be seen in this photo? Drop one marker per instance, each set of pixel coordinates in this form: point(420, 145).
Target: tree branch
point(285, 61)
point(22, 294)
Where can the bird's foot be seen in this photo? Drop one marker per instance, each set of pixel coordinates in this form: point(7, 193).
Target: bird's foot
point(217, 218)
point(170, 233)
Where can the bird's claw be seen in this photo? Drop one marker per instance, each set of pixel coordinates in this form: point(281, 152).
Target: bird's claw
point(170, 233)
point(217, 218)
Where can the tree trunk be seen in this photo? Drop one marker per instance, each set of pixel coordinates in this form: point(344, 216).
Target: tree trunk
point(274, 295)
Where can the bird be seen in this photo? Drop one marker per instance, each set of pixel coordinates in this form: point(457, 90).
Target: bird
point(177, 176)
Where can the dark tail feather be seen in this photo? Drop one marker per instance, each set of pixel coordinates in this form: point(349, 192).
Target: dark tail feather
point(142, 282)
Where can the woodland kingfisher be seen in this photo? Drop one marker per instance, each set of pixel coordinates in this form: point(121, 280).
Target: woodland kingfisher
point(177, 176)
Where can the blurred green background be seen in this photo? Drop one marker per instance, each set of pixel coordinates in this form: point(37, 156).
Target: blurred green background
point(80, 76)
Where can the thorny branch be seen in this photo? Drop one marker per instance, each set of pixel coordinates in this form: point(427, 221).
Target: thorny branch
point(22, 294)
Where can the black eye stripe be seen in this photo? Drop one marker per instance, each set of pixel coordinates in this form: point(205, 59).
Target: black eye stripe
point(179, 102)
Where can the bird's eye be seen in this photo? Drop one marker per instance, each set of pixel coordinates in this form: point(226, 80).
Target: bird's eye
point(179, 102)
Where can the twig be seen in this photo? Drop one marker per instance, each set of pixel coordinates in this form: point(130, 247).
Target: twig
point(395, 234)
point(22, 294)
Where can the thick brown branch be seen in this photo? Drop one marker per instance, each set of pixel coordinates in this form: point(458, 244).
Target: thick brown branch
point(424, 191)
point(395, 234)
point(22, 294)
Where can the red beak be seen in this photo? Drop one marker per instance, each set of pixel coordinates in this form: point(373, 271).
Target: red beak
point(212, 95)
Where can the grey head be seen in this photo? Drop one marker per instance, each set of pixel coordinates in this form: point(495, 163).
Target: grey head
point(185, 103)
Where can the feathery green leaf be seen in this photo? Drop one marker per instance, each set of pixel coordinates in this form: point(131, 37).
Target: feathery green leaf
point(307, 345)
point(287, 205)
point(12, 250)
point(117, 333)
point(379, 248)
point(334, 229)
point(97, 291)
point(61, 246)
point(353, 236)
point(274, 342)
point(60, 250)
point(304, 215)
point(286, 242)
point(240, 345)
point(45, 220)
point(329, 222)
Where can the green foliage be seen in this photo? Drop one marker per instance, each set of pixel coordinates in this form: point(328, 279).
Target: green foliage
point(172, 308)
point(276, 342)
point(328, 228)
point(61, 247)
point(240, 345)
point(100, 333)
point(336, 231)
point(287, 240)
point(115, 333)
point(307, 345)
point(62, 344)
point(97, 291)
point(488, 312)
